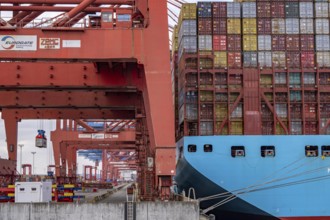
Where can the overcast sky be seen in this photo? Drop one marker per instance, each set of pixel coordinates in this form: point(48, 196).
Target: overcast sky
point(27, 131)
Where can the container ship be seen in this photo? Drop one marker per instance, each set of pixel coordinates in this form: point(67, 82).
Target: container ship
point(252, 96)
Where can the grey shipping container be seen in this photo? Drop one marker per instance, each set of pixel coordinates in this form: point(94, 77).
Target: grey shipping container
point(206, 128)
point(188, 28)
point(249, 10)
point(306, 9)
point(233, 10)
point(204, 42)
point(278, 26)
point(250, 59)
point(306, 26)
point(321, 26)
point(264, 42)
point(322, 9)
point(265, 59)
point(296, 127)
point(281, 110)
point(309, 78)
point(188, 44)
point(292, 26)
point(323, 59)
point(292, 9)
point(238, 111)
point(322, 42)
point(191, 111)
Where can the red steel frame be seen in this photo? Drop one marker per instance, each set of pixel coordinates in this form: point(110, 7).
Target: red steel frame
point(132, 63)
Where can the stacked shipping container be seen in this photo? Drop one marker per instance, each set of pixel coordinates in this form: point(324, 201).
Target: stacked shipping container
point(262, 62)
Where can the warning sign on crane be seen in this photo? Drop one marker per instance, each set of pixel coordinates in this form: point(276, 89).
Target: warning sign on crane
point(41, 140)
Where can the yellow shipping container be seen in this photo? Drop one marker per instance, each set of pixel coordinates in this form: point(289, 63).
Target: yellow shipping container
point(220, 59)
point(249, 26)
point(175, 35)
point(224, 129)
point(221, 111)
point(206, 96)
point(250, 43)
point(266, 80)
point(236, 127)
point(188, 11)
point(234, 26)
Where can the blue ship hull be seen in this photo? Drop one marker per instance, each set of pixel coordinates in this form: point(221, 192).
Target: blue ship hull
point(289, 185)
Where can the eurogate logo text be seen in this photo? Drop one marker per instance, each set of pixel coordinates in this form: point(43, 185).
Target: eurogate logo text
point(18, 42)
point(6, 42)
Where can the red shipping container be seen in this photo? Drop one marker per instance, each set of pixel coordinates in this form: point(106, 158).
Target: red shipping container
point(264, 26)
point(263, 10)
point(292, 42)
point(219, 26)
point(293, 59)
point(277, 9)
point(307, 59)
point(311, 127)
point(204, 26)
point(278, 42)
point(234, 42)
point(234, 59)
point(307, 42)
point(206, 111)
point(219, 9)
point(219, 42)
point(310, 111)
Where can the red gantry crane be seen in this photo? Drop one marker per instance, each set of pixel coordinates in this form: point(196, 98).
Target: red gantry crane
point(97, 60)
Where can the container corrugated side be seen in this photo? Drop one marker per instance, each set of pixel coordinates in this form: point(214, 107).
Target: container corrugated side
point(264, 42)
point(204, 42)
point(234, 42)
point(233, 26)
point(323, 59)
point(249, 10)
point(321, 9)
point(307, 59)
point(204, 9)
point(322, 43)
point(250, 59)
point(219, 25)
point(292, 9)
point(277, 9)
point(263, 10)
point(279, 59)
point(204, 26)
point(292, 26)
point(264, 26)
point(250, 43)
point(188, 44)
point(292, 42)
point(278, 26)
point(220, 59)
point(188, 28)
point(233, 10)
point(219, 42)
point(219, 9)
point(321, 26)
point(306, 26)
point(278, 42)
point(306, 9)
point(265, 59)
point(249, 26)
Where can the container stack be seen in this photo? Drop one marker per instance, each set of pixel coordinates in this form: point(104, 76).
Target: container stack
point(253, 67)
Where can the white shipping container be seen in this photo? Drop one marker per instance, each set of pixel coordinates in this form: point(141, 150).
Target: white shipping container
point(264, 42)
point(265, 59)
point(204, 42)
point(26, 192)
point(292, 25)
point(233, 9)
point(306, 9)
point(321, 26)
point(322, 42)
point(249, 9)
point(278, 26)
point(306, 26)
point(323, 59)
point(321, 9)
